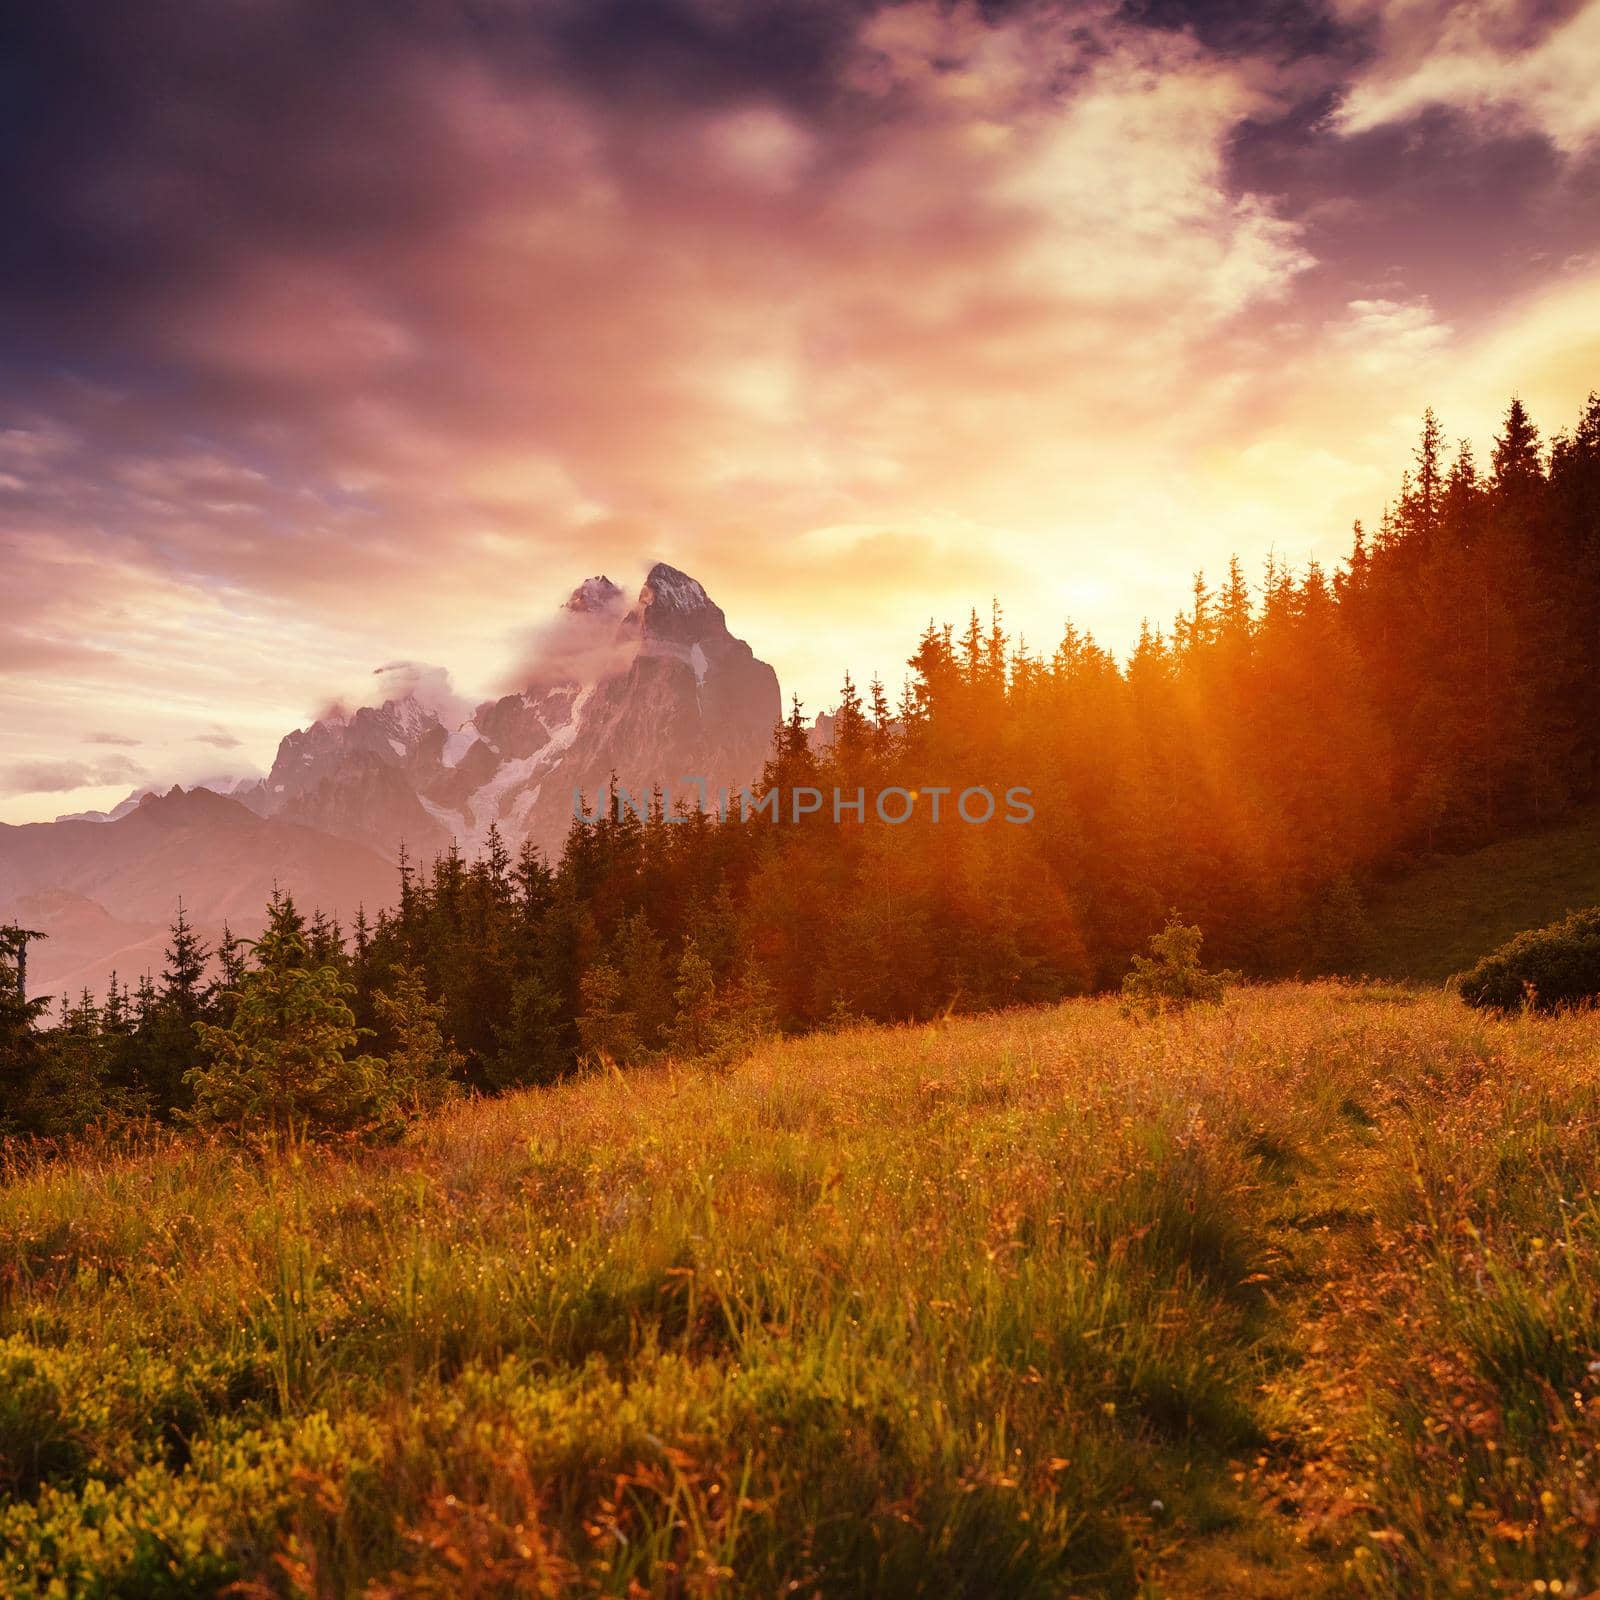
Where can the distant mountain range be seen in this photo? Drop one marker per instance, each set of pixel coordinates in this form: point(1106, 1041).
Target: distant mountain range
point(658, 691)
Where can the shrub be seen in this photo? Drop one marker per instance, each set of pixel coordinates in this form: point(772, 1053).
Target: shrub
point(1171, 976)
point(1545, 968)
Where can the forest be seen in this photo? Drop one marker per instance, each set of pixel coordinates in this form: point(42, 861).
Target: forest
point(1256, 766)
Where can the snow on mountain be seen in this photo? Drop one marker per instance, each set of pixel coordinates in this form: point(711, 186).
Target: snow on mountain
point(657, 692)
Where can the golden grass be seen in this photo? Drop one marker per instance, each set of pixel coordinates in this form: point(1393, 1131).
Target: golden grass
point(1294, 1296)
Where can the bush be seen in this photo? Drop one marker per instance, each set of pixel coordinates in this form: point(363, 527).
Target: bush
point(1546, 968)
point(1171, 977)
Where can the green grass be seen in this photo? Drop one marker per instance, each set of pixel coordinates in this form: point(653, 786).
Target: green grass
point(1294, 1296)
point(1439, 920)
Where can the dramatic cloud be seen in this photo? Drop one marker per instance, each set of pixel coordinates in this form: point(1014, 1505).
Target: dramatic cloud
point(429, 685)
point(60, 777)
point(583, 641)
point(1503, 65)
point(330, 333)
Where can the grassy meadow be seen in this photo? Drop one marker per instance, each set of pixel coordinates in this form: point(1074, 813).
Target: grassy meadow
point(1288, 1297)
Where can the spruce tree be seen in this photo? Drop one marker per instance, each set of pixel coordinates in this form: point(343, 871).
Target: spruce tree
point(693, 1028)
point(182, 983)
point(529, 1043)
point(606, 1028)
point(233, 961)
point(19, 1019)
point(1517, 465)
point(851, 736)
point(282, 1067)
point(423, 1067)
point(882, 722)
point(1427, 496)
point(644, 987)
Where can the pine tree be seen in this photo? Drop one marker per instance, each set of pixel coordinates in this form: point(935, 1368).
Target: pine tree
point(116, 1014)
point(325, 940)
point(532, 878)
point(1172, 977)
point(747, 1013)
point(71, 1085)
point(407, 911)
point(1234, 606)
point(232, 962)
point(641, 968)
point(282, 1066)
point(1517, 466)
point(693, 1028)
point(792, 764)
point(1425, 502)
point(606, 1030)
point(497, 862)
point(529, 1046)
point(184, 999)
point(286, 923)
point(422, 1065)
point(995, 645)
point(882, 722)
point(19, 1018)
point(852, 735)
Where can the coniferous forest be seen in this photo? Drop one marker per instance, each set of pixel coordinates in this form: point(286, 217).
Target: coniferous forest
point(1289, 738)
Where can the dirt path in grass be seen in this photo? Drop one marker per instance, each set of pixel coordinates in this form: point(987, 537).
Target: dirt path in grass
point(1284, 1528)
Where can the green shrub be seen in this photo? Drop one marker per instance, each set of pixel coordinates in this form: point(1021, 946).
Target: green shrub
point(1171, 977)
point(1545, 968)
point(66, 1416)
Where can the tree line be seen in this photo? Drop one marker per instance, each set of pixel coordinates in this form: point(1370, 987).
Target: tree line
point(1256, 764)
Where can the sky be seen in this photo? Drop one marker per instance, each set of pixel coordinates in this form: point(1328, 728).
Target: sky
point(338, 343)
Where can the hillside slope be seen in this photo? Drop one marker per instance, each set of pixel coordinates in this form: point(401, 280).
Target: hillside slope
point(1283, 1298)
point(104, 893)
point(1439, 920)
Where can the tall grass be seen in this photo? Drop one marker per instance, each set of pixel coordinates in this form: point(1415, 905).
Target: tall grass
point(1298, 1292)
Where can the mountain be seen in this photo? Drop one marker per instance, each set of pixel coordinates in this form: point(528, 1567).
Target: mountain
point(105, 892)
point(658, 691)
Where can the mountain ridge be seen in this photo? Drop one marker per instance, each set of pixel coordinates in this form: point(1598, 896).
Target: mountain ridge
point(656, 691)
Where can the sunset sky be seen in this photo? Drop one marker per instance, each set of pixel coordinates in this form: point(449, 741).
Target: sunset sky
point(340, 335)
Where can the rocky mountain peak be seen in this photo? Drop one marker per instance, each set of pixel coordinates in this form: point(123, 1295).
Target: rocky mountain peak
point(674, 607)
point(408, 717)
point(595, 596)
point(670, 590)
